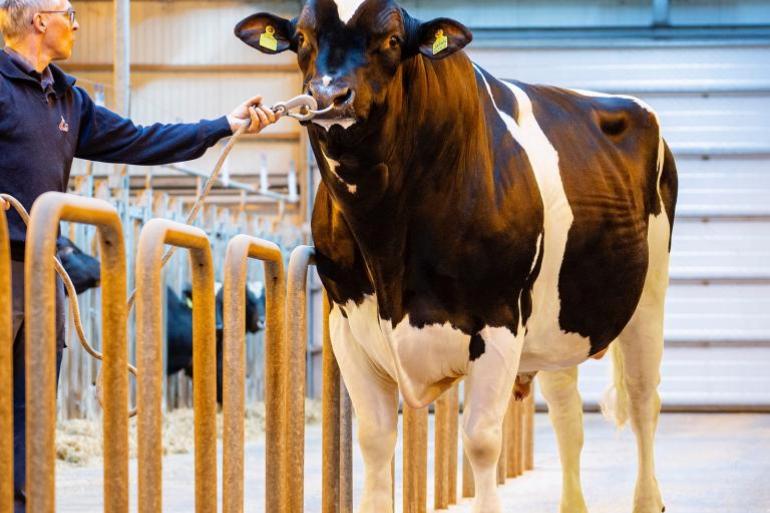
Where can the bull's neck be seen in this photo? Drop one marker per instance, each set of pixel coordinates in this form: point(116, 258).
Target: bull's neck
point(429, 129)
point(429, 136)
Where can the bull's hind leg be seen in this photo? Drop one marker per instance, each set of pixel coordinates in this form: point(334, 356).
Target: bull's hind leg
point(565, 408)
point(641, 348)
point(375, 402)
point(489, 384)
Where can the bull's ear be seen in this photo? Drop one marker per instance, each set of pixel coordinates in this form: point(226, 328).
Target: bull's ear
point(442, 37)
point(267, 33)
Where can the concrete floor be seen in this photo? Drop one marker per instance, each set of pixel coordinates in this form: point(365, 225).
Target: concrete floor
point(707, 463)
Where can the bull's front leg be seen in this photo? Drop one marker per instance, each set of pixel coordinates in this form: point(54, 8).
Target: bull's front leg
point(488, 389)
point(375, 401)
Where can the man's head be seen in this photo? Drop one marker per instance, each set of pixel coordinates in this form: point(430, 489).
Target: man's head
point(49, 25)
point(350, 50)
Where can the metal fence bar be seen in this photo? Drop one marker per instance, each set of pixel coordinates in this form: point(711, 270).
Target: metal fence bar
point(40, 298)
point(528, 433)
point(155, 234)
point(454, 421)
point(512, 426)
point(337, 493)
point(415, 459)
point(443, 415)
point(296, 336)
point(6, 370)
point(239, 250)
point(346, 451)
point(332, 453)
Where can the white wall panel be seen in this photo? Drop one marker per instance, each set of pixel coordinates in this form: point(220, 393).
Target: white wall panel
point(618, 66)
point(721, 250)
point(175, 33)
point(537, 13)
point(720, 12)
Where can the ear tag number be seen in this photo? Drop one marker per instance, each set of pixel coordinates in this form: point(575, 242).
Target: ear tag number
point(268, 40)
point(441, 42)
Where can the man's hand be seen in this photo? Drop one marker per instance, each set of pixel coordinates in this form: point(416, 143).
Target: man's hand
point(4, 205)
point(252, 111)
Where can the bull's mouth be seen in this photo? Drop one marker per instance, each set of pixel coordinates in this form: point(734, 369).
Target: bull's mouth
point(342, 113)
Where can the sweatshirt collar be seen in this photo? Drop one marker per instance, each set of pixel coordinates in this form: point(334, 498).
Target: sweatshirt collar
point(14, 69)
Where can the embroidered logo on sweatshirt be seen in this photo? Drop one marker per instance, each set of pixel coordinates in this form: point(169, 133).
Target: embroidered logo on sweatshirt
point(63, 126)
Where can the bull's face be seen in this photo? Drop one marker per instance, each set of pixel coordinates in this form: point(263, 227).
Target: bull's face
point(350, 51)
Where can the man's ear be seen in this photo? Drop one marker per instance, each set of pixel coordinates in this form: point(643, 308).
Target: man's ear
point(442, 37)
point(267, 33)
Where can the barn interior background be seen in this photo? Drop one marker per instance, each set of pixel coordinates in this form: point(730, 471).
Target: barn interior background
point(702, 64)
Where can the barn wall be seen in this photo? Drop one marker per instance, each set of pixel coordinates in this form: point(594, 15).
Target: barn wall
point(706, 74)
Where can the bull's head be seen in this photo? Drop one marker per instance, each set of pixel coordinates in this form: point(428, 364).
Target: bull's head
point(350, 51)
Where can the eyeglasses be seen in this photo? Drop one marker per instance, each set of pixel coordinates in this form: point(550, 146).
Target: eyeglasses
point(69, 12)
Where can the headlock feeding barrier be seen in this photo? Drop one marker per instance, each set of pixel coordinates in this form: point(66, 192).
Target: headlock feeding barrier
point(285, 378)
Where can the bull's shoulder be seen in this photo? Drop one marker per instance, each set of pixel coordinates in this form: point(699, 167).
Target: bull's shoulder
point(339, 260)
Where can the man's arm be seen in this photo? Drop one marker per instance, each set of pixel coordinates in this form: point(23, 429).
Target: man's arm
point(107, 137)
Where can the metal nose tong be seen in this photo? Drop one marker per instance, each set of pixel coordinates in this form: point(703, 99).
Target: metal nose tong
point(302, 108)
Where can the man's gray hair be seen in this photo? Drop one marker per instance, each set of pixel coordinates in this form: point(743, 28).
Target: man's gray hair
point(16, 16)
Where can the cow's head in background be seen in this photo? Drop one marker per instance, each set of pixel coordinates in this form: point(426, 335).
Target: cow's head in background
point(351, 54)
point(83, 269)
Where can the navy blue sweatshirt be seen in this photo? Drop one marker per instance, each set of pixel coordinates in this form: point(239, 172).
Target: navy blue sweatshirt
point(40, 134)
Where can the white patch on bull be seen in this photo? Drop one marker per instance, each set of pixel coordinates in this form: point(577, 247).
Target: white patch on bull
point(546, 345)
point(347, 8)
point(333, 168)
point(537, 253)
point(327, 124)
point(326, 80)
point(418, 359)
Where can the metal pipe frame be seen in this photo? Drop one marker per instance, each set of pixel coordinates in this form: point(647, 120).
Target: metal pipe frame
point(415, 464)
point(445, 467)
point(331, 409)
point(40, 300)
point(337, 452)
point(296, 332)
point(240, 249)
point(6, 370)
point(149, 330)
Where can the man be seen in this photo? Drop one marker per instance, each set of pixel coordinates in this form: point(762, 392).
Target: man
point(46, 121)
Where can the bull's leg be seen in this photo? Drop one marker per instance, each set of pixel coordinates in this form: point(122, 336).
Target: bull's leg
point(641, 346)
point(490, 382)
point(641, 349)
point(375, 402)
point(565, 409)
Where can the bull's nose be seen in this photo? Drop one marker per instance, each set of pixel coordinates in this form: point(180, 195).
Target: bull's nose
point(326, 95)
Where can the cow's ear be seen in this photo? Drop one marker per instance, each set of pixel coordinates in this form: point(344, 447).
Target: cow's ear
point(267, 33)
point(442, 37)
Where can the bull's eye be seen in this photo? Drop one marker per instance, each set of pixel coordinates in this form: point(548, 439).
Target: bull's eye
point(394, 42)
point(301, 39)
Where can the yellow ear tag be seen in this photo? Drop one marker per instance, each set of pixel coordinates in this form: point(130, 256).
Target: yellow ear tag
point(268, 40)
point(441, 42)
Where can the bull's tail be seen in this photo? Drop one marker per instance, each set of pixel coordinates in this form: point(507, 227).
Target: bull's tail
point(614, 404)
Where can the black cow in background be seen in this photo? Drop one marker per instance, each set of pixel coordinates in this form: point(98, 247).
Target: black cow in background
point(84, 271)
point(179, 329)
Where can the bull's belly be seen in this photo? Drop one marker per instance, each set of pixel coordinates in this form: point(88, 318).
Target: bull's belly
point(424, 361)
